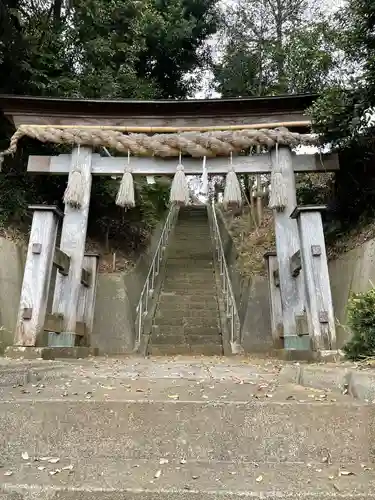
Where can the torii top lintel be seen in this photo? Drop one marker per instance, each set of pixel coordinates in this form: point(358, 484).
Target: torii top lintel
point(290, 109)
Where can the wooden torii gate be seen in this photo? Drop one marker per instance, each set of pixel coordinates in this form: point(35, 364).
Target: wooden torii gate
point(301, 303)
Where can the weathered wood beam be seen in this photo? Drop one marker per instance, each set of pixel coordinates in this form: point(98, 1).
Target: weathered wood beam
point(37, 275)
point(287, 244)
point(275, 300)
point(55, 323)
point(158, 166)
point(85, 277)
point(319, 305)
point(73, 238)
point(62, 261)
point(295, 264)
point(87, 295)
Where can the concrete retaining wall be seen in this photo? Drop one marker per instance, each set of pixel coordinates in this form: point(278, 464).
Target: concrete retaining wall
point(251, 296)
point(116, 302)
point(353, 271)
point(12, 262)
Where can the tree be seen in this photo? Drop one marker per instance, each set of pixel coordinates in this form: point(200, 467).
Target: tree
point(275, 47)
point(130, 49)
point(105, 48)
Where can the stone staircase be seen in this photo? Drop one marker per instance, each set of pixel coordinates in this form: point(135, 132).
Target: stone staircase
point(186, 320)
point(189, 428)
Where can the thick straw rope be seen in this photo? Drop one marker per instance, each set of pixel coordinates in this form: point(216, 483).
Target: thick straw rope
point(196, 144)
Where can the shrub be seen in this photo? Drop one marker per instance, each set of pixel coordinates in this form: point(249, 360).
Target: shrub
point(361, 321)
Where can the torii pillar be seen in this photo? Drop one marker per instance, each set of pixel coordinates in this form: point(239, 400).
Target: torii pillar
point(287, 244)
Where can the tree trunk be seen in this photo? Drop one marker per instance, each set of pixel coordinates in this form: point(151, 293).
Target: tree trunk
point(57, 7)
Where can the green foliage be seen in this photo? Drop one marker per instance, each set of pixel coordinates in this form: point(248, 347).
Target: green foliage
point(129, 49)
point(342, 116)
point(271, 48)
point(361, 321)
point(139, 49)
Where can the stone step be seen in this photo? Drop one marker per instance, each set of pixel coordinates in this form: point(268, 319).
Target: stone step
point(180, 338)
point(181, 321)
point(248, 431)
point(197, 254)
point(200, 283)
point(192, 479)
point(190, 302)
point(188, 330)
point(159, 338)
point(189, 263)
point(184, 311)
point(199, 272)
point(186, 349)
point(202, 288)
point(192, 281)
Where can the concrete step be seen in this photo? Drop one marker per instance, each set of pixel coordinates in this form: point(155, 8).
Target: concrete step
point(180, 338)
point(175, 300)
point(190, 428)
point(195, 480)
point(201, 331)
point(194, 273)
point(184, 311)
point(203, 288)
point(181, 321)
point(196, 283)
point(159, 338)
point(191, 254)
point(189, 264)
point(186, 349)
point(246, 431)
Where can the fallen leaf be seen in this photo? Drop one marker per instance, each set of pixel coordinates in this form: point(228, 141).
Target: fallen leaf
point(157, 474)
point(259, 479)
point(54, 472)
point(346, 473)
point(25, 455)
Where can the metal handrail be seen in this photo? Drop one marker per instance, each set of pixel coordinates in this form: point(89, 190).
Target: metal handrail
point(149, 286)
point(230, 306)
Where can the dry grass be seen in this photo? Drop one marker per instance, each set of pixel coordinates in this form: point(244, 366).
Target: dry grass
point(251, 243)
point(352, 239)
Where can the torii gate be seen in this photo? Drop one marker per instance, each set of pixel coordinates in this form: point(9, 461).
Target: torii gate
point(300, 296)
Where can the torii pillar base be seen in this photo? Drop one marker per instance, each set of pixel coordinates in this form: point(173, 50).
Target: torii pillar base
point(49, 353)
